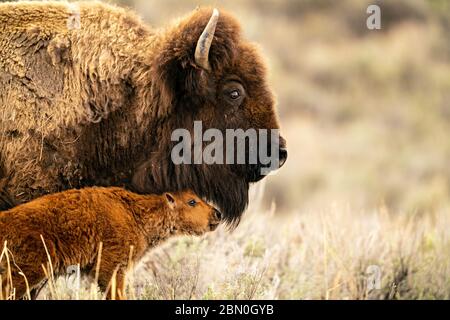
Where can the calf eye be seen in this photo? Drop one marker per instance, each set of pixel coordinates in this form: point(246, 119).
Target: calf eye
point(192, 202)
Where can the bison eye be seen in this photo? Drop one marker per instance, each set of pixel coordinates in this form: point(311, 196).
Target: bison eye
point(235, 94)
point(192, 202)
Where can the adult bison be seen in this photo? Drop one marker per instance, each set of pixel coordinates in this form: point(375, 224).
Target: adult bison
point(90, 95)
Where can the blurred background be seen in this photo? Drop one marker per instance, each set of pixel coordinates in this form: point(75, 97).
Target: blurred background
point(366, 113)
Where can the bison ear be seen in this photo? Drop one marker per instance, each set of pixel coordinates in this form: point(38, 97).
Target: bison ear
point(171, 202)
point(189, 54)
point(175, 81)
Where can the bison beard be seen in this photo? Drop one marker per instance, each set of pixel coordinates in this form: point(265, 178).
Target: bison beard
point(96, 104)
point(227, 191)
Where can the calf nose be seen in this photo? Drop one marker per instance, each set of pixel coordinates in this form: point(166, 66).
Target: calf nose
point(282, 153)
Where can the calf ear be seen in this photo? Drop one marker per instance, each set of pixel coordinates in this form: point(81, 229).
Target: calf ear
point(170, 200)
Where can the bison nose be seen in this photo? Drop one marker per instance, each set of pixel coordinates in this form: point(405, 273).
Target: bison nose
point(217, 214)
point(283, 156)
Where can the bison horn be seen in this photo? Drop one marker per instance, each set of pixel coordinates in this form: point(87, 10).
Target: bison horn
point(204, 42)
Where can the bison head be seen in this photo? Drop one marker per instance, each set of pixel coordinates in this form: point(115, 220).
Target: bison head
point(203, 70)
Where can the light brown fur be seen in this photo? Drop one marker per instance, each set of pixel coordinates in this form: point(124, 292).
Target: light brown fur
point(74, 223)
point(54, 77)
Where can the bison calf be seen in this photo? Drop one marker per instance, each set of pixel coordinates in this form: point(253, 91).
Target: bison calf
point(73, 223)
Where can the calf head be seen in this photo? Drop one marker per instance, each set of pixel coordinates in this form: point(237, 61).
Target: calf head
point(193, 215)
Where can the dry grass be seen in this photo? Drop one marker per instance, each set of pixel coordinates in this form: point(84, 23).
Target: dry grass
point(321, 254)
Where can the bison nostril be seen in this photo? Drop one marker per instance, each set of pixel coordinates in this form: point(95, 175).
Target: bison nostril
point(217, 214)
point(283, 156)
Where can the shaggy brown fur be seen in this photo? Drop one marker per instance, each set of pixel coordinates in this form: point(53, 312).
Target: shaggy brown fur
point(73, 224)
point(90, 95)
